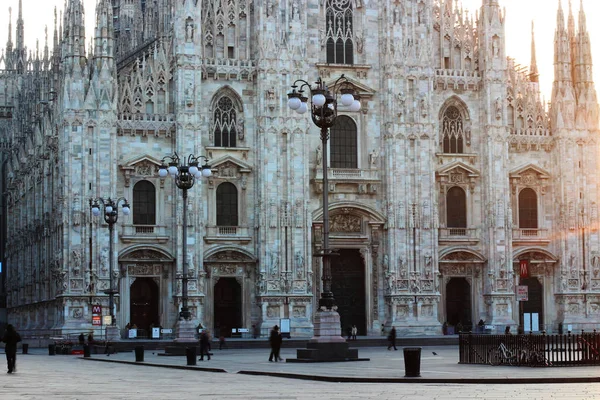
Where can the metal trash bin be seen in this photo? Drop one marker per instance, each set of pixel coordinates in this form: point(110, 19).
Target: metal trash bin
point(139, 353)
point(412, 362)
point(51, 349)
point(25, 348)
point(190, 354)
point(86, 351)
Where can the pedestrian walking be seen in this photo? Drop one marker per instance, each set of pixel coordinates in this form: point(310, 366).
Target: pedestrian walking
point(222, 342)
point(204, 346)
point(11, 338)
point(275, 340)
point(392, 339)
point(354, 332)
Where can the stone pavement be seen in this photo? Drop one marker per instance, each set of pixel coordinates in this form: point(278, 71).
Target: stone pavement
point(41, 376)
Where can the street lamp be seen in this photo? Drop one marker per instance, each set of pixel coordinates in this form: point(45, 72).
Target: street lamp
point(327, 343)
point(324, 111)
point(111, 216)
point(185, 174)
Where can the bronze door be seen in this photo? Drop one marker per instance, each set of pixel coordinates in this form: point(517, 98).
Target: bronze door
point(458, 303)
point(534, 303)
point(228, 306)
point(144, 304)
point(348, 287)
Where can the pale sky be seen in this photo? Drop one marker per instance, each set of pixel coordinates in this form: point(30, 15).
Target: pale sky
point(519, 14)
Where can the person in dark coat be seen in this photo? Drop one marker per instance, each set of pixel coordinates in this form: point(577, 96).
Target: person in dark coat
point(275, 340)
point(11, 338)
point(392, 339)
point(204, 345)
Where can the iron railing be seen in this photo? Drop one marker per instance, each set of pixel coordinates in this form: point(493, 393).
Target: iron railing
point(530, 350)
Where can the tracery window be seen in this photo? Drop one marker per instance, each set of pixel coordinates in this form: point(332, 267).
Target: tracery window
point(144, 203)
point(453, 131)
point(339, 28)
point(343, 146)
point(456, 208)
point(528, 210)
point(225, 123)
point(227, 205)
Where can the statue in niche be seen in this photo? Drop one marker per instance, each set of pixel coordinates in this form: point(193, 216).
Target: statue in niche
point(424, 106)
point(373, 157)
point(421, 14)
point(189, 30)
point(401, 103)
point(498, 107)
point(270, 8)
point(397, 16)
point(295, 10)
point(495, 46)
point(319, 155)
point(104, 47)
point(239, 126)
point(360, 42)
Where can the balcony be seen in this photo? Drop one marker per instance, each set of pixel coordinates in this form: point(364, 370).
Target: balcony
point(228, 234)
point(529, 236)
point(458, 235)
point(348, 180)
point(144, 234)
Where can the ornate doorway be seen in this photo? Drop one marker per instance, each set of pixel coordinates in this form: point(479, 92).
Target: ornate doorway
point(348, 286)
point(458, 302)
point(533, 308)
point(143, 303)
point(228, 306)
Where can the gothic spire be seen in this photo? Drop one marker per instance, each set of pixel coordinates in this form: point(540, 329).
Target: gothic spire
point(9, 41)
point(20, 29)
point(533, 72)
point(563, 97)
point(104, 43)
point(74, 33)
point(587, 102)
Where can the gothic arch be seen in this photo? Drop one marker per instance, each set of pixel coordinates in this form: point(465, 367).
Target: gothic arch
point(144, 252)
point(459, 104)
point(227, 91)
point(355, 208)
point(548, 256)
point(228, 254)
point(454, 254)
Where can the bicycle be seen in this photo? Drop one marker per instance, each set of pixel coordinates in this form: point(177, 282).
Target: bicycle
point(502, 355)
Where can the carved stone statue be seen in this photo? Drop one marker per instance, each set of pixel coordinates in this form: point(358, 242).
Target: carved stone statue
point(239, 126)
point(319, 155)
point(498, 108)
point(373, 157)
point(189, 30)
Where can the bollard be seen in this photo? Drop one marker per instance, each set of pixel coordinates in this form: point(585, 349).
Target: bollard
point(51, 349)
point(412, 362)
point(86, 351)
point(25, 348)
point(139, 353)
point(190, 353)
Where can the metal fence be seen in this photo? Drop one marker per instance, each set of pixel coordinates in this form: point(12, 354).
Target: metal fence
point(530, 350)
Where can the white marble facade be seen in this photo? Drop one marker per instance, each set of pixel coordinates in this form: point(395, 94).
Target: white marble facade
point(458, 169)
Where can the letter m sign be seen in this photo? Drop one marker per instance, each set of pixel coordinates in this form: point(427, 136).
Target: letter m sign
point(524, 268)
point(97, 309)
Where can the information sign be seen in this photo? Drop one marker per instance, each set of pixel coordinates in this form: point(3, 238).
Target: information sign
point(522, 293)
point(96, 320)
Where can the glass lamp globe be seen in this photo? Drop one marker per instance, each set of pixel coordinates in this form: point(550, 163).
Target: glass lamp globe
point(162, 172)
point(206, 172)
point(108, 208)
point(318, 99)
point(126, 209)
point(172, 170)
point(294, 103)
point(347, 99)
point(302, 109)
point(355, 106)
point(193, 170)
point(95, 211)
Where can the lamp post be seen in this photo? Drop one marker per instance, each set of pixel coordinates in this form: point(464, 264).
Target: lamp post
point(185, 174)
point(323, 109)
point(111, 216)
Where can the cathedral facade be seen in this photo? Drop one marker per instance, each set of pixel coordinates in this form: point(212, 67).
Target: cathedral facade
point(455, 192)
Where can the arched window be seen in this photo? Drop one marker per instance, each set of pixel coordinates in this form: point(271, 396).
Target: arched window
point(227, 205)
point(225, 119)
point(528, 212)
point(343, 146)
point(456, 208)
point(144, 203)
point(453, 131)
point(339, 28)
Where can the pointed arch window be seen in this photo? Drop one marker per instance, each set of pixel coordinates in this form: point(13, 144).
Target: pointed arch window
point(227, 205)
point(528, 209)
point(456, 208)
point(343, 144)
point(339, 32)
point(453, 131)
point(225, 123)
point(144, 203)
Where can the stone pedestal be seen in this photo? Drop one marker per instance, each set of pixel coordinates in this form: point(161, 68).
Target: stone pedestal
point(185, 331)
point(113, 333)
point(327, 345)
